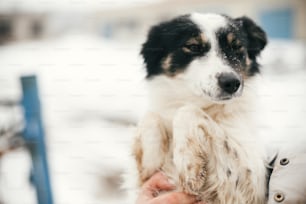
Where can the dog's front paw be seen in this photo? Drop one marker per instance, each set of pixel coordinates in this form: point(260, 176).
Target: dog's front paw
point(191, 143)
point(151, 146)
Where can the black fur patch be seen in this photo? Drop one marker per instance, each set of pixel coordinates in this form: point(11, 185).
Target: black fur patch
point(247, 40)
point(170, 38)
point(256, 37)
point(233, 51)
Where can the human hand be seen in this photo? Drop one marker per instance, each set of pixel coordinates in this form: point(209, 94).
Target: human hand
point(158, 182)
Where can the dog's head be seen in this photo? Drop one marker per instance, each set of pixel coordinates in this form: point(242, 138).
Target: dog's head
point(209, 53)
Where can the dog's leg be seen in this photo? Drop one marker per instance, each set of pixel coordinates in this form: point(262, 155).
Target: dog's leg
point(151, 146)
point(192, 130)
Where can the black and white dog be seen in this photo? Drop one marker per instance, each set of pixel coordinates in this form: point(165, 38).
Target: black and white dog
point(201, 71)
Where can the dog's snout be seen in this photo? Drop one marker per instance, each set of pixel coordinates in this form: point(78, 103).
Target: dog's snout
point(229, 82)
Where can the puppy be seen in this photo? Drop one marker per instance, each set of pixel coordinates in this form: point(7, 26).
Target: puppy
point(201, 72)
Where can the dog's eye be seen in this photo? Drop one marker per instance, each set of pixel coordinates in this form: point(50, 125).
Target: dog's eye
point(194, 48)
point(236, 45)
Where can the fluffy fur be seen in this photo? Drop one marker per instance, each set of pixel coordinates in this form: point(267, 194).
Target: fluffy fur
point(201, 70)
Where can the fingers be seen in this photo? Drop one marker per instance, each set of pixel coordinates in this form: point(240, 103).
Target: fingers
point(159, 182)
point(174, 198)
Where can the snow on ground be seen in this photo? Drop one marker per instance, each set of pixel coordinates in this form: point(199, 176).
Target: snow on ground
point(87, 83)
point(282, 95)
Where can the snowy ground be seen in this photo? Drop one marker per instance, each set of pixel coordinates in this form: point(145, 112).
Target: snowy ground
point(87, 83)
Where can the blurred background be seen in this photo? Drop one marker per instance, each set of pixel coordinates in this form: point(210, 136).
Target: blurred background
point(85, 55)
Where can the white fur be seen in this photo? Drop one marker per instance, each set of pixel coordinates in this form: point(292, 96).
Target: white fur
point(209, 23)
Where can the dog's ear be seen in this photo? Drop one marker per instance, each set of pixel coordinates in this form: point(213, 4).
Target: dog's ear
point(153, 50)
point(257, 38)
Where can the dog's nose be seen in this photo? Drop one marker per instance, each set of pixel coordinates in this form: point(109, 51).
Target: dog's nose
point(229, 82)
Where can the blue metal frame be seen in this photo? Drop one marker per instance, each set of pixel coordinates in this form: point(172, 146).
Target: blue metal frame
point(34, 137)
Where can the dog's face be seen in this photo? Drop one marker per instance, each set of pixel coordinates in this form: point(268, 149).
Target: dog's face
point(211, 54)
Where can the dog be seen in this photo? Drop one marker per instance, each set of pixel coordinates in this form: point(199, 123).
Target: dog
point(201, 74)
